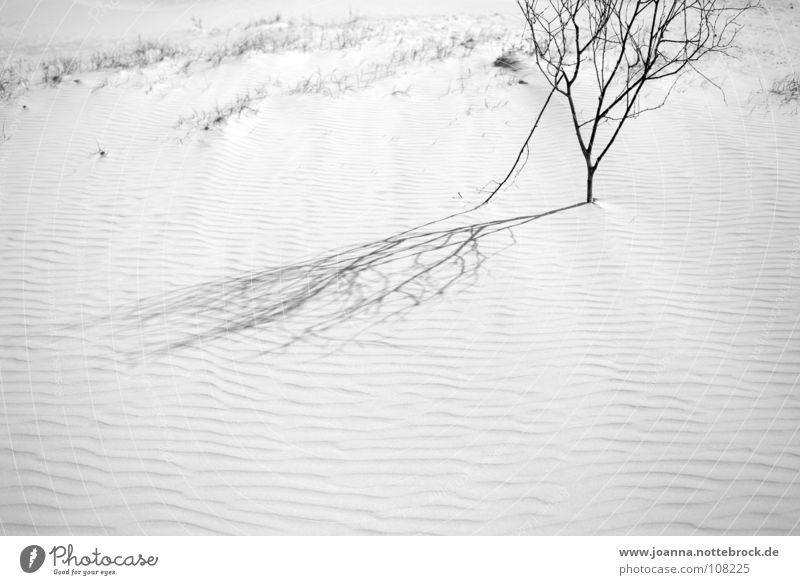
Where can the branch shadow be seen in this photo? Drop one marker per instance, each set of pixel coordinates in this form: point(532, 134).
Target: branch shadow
point(379, 279)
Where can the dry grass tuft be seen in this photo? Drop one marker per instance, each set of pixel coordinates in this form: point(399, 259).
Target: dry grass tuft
point(787, 88)
point(12, 79)
point(221, 113)
point(142, 54)
point(508, 60)
point(56, 69)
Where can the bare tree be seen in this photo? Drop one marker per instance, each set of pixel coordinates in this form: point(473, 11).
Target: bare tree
point(600, 54)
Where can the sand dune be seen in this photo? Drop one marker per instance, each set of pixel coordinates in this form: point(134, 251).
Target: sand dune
point(626, 367)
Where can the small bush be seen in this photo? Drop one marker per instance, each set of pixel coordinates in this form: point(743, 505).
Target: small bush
point(508, 60)
point(56, 69)
point(149, 52)
point(263, 22)
point(220, 114)
point(787, 88)
point(12, 78)
point(142, 54)
point(307, 37)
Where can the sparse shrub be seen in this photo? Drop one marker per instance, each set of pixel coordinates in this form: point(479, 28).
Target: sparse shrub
point(142, 54)
point(262, 42)
point(220, 114)
point(56, 69)
point(788, 89)
point(310, 36)
point(346, 38)
point(508, 60)
point(12, 78)
point(263, 22)
point(335, 83)
point(261, 36)
point(149, 52)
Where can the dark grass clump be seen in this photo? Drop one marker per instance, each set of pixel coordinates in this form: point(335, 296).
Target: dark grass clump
point(508, 60)
point(142, 54)
point(221, 113)
point(788, 89)
point(55, 70)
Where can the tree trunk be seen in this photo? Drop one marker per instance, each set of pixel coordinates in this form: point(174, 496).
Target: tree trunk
point(589, 180)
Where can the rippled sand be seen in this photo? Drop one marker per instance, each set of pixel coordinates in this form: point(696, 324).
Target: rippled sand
point(233, 330)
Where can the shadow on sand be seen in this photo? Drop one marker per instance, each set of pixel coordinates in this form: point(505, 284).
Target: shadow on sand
point(381, 279)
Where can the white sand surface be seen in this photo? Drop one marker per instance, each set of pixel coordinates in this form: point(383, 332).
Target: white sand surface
point(231, 331)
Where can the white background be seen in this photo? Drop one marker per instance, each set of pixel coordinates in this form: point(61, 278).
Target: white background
point(400, 559)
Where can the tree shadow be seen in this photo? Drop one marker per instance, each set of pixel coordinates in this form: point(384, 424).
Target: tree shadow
point(378, 279)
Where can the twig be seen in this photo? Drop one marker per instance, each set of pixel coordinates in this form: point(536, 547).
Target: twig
point(521, 150)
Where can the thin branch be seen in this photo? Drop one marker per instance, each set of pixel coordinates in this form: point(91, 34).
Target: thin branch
point(523, 149)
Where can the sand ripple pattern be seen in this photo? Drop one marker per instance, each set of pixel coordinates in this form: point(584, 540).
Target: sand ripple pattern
point(630, 367)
